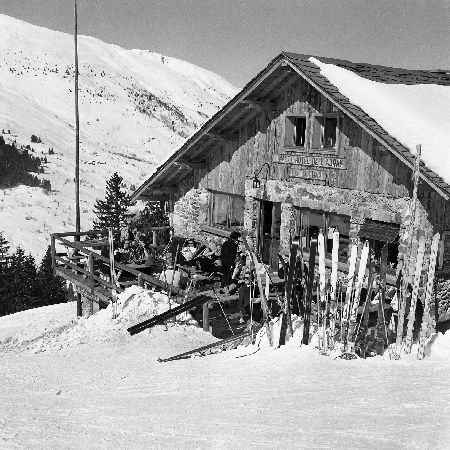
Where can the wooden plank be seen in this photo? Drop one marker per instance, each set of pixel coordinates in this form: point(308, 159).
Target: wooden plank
point(149, 279)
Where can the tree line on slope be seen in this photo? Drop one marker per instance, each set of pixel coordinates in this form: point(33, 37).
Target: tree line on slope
point(18, 166)
point(23, 285)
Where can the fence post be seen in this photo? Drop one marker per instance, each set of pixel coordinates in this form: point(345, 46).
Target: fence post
point(53, 250)
point(205, 317)
point(154, 238)
point(91, 268)
point(140, 281)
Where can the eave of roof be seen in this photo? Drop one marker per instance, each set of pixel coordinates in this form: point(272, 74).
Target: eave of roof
point(306, 69)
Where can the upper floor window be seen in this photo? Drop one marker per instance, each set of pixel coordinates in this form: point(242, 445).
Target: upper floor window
point(324, 132)
point(226, 210)
point(295, 131)
point(312, 133)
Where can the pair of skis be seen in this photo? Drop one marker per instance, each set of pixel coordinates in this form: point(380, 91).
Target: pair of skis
point(160, 318)
point(405, 345)
point(264, 299)
point(327, 298)
point(286, 317)
point(207, 349)
point(352, 330)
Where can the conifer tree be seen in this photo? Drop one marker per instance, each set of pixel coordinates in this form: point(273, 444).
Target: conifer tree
point(153, 215)
point(113, 211)
point(20, 288)
point(51, 288)
point(4, 249)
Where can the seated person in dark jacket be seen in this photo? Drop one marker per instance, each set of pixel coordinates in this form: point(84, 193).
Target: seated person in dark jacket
point(228, 256)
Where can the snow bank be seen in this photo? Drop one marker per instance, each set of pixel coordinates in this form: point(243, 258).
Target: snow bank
point(413, 114)
point(56, 327)
point(439, 348)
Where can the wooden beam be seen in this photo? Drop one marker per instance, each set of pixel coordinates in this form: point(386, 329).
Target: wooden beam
point(282, 86)
point(165, 189)
point(260, 105)
point(195, 164)
point(236, 117)
point(276, 81)
point(226, 137)
point(182, 165)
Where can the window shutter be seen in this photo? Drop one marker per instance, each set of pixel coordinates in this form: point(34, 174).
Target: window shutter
point(317, 122)
point(288, 132)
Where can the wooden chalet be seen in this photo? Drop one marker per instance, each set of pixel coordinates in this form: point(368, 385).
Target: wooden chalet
point(290, 151)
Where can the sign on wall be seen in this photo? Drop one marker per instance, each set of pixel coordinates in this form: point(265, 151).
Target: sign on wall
point(328, 162)
point(307, 174)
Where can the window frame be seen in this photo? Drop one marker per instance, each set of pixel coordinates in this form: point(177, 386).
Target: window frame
point(326, 219)
point(318, 129)
point(229, 196)
point(288, 134)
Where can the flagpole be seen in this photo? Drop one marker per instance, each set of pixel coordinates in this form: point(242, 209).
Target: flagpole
point(77, 151)
point(77, 133)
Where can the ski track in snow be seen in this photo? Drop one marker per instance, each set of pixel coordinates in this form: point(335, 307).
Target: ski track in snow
point(112, 392)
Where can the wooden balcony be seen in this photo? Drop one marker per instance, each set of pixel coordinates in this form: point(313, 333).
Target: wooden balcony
point(76, 258)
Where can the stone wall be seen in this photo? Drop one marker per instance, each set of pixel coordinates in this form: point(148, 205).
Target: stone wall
point(442, 298)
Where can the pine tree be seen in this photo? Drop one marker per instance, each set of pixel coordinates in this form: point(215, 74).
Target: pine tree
point(113, 211)
point(20, 288)
point(4, 249)
point(51, 288)
point(153, 215)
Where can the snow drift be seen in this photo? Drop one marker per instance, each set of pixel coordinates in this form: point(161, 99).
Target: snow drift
point(56, 327)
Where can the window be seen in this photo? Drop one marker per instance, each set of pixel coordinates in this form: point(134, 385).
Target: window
point(226, 211)
point(378, 234)
point(324, 135)
point(295, 131)
point(311, 222)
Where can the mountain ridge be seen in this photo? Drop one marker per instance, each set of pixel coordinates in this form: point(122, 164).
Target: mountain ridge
point(136, 106)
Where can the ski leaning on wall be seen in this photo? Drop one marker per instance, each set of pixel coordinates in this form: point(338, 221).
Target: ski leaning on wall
point(381, 331)
point(415, 293)
point(321, 300)
point(357, 295)
point(361, 332)
point(426, 321)
point(309, 290)
point(264, 303)
point(286, 319)
point(333, 286)
point(349, 291)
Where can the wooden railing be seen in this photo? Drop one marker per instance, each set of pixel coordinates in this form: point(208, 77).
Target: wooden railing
point(86, 263)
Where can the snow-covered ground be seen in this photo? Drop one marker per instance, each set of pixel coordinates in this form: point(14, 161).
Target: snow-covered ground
point(68, 383)
point(136, 107)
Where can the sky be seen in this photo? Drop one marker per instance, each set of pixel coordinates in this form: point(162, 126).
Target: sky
point(238, 38)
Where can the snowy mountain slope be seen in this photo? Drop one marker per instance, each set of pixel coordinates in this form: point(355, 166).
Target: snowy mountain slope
point(136, 106)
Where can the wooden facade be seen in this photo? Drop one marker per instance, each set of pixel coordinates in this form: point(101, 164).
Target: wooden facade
point(364, 175)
